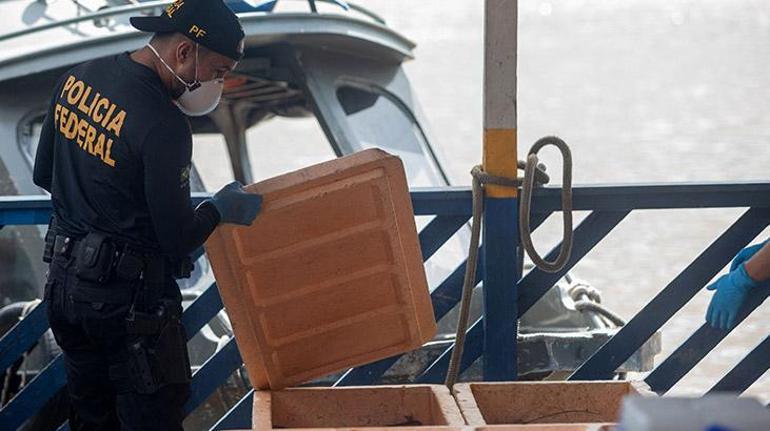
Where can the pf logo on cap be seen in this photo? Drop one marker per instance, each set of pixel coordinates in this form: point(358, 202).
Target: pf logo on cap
point(197, 31)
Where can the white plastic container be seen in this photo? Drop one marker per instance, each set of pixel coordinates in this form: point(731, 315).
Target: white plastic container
point(714, 412)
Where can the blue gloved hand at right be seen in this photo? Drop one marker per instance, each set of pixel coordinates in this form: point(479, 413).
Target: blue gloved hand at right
point(745, 255)
point(731, 291)
point(236, 205)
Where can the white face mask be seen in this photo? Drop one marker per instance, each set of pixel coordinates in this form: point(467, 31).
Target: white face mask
point(199, 98)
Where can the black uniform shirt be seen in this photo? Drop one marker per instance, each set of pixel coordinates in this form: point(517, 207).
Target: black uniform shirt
point(115, 154)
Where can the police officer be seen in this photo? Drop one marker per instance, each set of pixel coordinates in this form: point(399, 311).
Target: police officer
point(115, 154)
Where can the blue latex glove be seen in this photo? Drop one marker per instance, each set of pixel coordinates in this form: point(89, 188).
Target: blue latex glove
point(745, 255)
point(236, 205)
point(731, 291)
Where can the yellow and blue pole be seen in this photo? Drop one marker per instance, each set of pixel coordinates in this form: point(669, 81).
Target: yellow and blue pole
point(501, 232)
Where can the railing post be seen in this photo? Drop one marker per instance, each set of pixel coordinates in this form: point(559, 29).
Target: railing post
point(501, 233)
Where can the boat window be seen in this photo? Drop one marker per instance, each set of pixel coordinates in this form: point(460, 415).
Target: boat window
point(379, 119)
point(275, 146)
point(28, 134)
point(212, 160)
point(285, 144)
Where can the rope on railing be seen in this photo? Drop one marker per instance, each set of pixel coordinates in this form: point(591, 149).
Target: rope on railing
point(534, 174)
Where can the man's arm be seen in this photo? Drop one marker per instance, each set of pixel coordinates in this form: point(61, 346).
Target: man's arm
point(758, 266)
point(166, 155)
point(42, 173)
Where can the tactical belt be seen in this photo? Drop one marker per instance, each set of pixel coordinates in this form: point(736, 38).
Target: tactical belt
point(114, 270)
point(71, 246)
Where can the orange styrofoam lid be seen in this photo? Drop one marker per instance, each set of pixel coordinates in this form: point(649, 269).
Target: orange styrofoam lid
point(329, 276)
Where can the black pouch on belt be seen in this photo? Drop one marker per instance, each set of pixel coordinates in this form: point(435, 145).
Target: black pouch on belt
point(96, 254)
point(153, 364)
point(172, 354)
point(129, 266)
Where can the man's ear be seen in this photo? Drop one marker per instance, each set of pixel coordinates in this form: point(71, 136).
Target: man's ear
point(185, 51)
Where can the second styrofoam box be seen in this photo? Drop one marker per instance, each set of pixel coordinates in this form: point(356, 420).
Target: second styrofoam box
point(418, 407)
point(329, 275)
point(524, 404)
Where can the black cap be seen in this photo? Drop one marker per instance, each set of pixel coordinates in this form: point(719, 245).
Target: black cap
point(208, 22)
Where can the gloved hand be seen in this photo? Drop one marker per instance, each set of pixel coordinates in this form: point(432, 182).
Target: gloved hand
point(235, 205)
point(745, 255)
point(731, 291)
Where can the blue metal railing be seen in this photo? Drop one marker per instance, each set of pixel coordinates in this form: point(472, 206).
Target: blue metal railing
point(609, 205)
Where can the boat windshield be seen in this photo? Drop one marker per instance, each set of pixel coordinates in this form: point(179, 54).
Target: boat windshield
point(380, 119)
